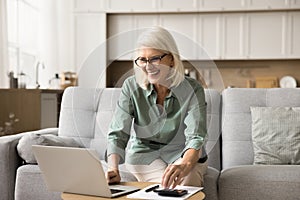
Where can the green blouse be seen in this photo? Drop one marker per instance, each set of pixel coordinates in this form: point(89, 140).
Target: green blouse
point(164, 132)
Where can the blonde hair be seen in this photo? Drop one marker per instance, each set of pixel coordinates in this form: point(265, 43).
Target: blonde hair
point(160, 39)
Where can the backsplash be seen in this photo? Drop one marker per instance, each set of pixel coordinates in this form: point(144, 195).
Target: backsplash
point(238, 73)
point(233, 73)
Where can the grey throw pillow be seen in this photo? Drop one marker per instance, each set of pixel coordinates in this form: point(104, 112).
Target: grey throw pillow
point(24, 146)
point(276, 135)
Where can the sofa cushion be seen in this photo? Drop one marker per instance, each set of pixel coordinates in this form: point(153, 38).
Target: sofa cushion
point(276, 135)
point(30, 184)
point(211, 183)
point(237, 146)
point(254, 182)
point(24, 146)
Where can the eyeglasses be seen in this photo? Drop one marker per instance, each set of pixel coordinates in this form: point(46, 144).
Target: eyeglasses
point(154, 61)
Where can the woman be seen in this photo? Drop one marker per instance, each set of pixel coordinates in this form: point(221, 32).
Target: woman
point(169, 115)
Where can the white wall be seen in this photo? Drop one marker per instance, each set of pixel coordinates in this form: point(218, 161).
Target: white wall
point(55, 44)
point(4, 82)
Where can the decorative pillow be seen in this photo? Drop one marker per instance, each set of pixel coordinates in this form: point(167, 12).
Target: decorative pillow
point(24, 146)
point(276, 135)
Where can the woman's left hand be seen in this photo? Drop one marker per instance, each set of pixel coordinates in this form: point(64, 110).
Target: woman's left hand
point(174, 174)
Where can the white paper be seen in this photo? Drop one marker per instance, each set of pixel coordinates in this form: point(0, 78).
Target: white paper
point(142, 194)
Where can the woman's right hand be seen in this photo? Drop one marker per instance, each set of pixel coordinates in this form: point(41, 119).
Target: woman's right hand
point(113, 176)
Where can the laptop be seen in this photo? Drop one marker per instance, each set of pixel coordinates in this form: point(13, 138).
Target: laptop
point(76, 170)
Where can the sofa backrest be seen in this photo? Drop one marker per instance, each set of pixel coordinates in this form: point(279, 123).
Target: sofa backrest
point(237, 146)
point(86, 114)
point(213, 148)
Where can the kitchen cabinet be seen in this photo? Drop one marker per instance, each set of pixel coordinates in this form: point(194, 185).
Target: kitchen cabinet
point(35, 108)
point(267, 35)
point(233, 39)
point(294, 4)
point(88, 5)
point(121, 37)
point(163, 6)
point(267, 4)
point(203, 30)
point(221, 5)
point(293, 35)
point(261, 35)
point(209, 33)
point(217, 36)
point(131, 6)
point(124, 30)
point(90, 48)
point(178, 5)
point(248, 5)
point(184, 30)
point(49, 110)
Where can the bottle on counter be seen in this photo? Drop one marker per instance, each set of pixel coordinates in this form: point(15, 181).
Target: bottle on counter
point(22, 80)
point(54, 83)
point(13, 82)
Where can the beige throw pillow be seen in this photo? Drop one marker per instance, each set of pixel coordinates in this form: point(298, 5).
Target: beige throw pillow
point(24, 146)
point(276, 135)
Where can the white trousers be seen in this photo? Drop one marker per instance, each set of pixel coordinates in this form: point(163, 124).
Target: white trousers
point(155, 171)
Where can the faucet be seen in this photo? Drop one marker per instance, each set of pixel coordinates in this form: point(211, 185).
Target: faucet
point(38, 64)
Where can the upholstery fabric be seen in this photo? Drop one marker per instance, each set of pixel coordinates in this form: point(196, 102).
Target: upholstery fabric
point(8, 166)
point(237, 148)
point(24, 146)
point(10, 161)
point(213, 100)
point(30, 184)
point(87, 113)
point(211, 183)
point(276, 135)
point(85, 116)
point(254, 182)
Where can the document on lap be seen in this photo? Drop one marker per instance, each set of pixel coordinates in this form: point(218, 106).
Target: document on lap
point(149, 192)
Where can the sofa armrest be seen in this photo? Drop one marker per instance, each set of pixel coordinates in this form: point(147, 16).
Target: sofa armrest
point(10, 161)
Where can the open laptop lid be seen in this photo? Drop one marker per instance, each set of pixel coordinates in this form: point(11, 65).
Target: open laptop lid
point(74, 170)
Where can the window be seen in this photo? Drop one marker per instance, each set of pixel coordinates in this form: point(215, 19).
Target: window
point(23, 37)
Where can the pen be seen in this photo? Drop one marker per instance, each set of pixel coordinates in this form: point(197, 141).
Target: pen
point(152, 188)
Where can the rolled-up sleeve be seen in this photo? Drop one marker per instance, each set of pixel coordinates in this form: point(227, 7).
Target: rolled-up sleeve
point(119, 130)
point(195, 121)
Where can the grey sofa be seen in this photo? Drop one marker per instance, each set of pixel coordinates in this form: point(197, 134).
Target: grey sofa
point(240, 179)
point(86, 113)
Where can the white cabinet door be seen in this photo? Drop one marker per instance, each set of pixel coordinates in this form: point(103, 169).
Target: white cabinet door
point(215, 5)
point(142, 21)
point(90, 49)
point(121, 39)
point(88, 5)
point(254, 35)
point(184, 30)
point(267, 4)
point(266, 35)
point(178, 5)
point(209, 34)
point(294, 4)
point(119, 6)
point(211, 5)
point(123, 32)
point(233, 36)
point(294, 35)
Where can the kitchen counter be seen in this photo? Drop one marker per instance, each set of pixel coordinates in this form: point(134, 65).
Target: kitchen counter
point(34, 109)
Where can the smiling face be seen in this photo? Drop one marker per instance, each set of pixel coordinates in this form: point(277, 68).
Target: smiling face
point(156, 74)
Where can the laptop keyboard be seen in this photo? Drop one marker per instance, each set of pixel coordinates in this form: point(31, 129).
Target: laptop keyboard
point(113, 191)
